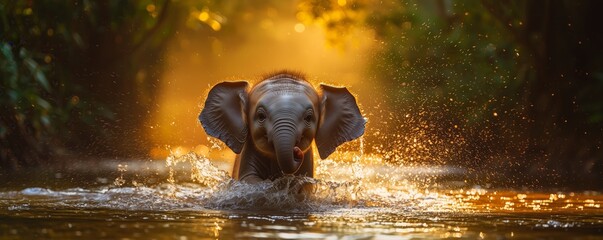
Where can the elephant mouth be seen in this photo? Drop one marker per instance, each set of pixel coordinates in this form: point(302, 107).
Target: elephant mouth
point(298, 155)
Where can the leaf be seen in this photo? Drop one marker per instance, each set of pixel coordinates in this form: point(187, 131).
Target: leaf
point(45, 120)
point(8, 66)
point(37, 73)
point(43, 103)
point(13, 95)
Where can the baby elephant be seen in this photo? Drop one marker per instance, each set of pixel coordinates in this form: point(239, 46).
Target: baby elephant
point(272, 125)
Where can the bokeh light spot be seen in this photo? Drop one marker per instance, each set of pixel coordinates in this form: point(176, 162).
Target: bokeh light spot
point(300, 27)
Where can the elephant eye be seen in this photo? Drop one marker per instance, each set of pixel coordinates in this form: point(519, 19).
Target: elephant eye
point(261, 115)
point(309, 117)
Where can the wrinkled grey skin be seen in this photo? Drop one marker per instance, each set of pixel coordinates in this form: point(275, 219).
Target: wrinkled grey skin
point(271, 126)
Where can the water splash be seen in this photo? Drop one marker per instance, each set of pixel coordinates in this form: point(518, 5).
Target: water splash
point(348, 180)
point(121, 168)
point(202, 170)
point(361, 181)
point(287, 193)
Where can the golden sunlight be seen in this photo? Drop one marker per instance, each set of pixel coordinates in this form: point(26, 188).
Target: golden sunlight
point(194, 63)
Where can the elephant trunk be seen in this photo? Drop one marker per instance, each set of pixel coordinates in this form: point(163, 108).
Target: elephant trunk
point(288, 156)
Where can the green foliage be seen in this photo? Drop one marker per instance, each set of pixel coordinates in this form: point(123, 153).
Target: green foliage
point(444, 54)
point(27, 113)
point(66, 68)
point(82, 75)
point(25, 85)
point(520, 79)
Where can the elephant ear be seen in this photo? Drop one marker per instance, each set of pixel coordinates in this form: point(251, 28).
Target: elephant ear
point(223, 114)
point(340, 121)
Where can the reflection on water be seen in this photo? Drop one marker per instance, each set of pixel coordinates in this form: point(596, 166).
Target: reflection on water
point(363, 197)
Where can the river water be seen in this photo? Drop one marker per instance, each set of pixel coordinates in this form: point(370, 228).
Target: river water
point(192, 197)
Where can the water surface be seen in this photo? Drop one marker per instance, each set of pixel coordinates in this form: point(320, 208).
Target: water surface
point(190, 197)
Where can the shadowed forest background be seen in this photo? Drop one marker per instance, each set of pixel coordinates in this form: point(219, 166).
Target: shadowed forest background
point(510, 90)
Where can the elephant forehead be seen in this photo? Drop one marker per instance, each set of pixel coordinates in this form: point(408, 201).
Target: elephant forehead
point(283, 87)
point(282, 101)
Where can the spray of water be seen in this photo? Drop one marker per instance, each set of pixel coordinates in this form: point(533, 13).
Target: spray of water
point(351, 179)
point(347, 179)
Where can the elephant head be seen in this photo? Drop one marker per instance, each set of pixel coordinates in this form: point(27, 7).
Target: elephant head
point(280, 117)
